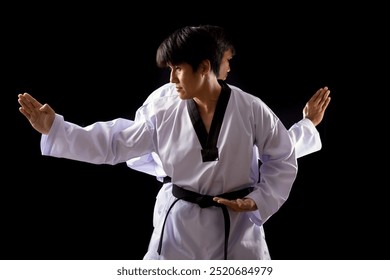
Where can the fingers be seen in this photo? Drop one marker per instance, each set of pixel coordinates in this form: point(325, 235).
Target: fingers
point(324, 94)
point(33, 101)
point(318, 96)
point(326, 103)
point(321, 98)
point(324, 99)
point(29, 105)
point(24, 112)
point(27, 100)
point(239, 205)
point(23, 101)
point(26, 107)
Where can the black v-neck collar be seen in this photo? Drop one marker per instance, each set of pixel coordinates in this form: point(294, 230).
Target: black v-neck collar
point(209, 140)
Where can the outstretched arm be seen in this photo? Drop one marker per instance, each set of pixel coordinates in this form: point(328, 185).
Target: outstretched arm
point(40, 116)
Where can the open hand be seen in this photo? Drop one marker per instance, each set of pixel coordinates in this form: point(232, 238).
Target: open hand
point(40, 116)
point(239, 205)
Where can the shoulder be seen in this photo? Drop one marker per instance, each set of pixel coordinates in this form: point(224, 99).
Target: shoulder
point(160, 102)
point(165, 90)
point(252, 107)
point(249, 99)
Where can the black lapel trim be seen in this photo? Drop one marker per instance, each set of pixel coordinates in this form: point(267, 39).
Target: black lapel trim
point(209, 141)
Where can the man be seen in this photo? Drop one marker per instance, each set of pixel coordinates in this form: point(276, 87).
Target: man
point(204, 137)
point(303, 133)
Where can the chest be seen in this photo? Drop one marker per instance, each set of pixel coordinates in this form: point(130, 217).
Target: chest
point(207, 119)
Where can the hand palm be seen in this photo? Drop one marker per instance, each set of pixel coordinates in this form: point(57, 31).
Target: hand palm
point(40, 116)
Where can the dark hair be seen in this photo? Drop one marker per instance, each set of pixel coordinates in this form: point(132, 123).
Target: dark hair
point(224, 41)
point(192, 45)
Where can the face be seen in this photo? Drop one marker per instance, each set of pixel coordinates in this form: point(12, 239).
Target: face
point(188, 83)
point(225, 65)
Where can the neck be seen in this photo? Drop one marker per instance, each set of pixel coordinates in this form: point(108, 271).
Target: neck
point(207, 101)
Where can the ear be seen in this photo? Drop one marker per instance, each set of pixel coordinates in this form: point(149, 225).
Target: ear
point(205, 67)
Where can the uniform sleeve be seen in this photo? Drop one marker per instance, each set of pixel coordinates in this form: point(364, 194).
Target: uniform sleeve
point(144, 163)
point(278, 169)
point(306, 138)
point(150, 163)
point(108, 142)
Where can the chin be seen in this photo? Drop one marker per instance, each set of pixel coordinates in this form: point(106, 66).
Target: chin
point(181, 95)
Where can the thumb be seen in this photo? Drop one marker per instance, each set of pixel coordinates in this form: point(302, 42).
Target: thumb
point(46, 109)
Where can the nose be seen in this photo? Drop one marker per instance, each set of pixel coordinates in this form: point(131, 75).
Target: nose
point(172, 77)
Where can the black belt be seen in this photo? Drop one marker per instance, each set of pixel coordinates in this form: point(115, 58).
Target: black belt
point(205, 201)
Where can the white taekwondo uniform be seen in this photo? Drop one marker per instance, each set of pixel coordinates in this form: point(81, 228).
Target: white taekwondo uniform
point(208, 164)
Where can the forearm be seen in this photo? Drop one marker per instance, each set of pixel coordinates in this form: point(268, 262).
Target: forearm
point(305, 137)
point(99, 143)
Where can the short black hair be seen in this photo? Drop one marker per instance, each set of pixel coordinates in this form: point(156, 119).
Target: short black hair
point(192, 45)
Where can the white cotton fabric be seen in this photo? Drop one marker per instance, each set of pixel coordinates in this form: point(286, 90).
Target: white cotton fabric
point(305, 137)
point(163, 128)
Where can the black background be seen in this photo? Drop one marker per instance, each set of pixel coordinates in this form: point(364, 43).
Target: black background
point(97, 63)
